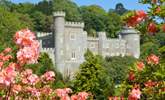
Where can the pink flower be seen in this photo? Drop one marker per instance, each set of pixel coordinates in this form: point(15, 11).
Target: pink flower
point(83, 95)
point(35, 92)
point(153, 59)
point(7, 57)
point(26, 73)
point(49, 75)
point(33, 79)
point(7, 50)
point(74, 97)
point(16, 88)
point(1, 64)
point(24, 37)
point(150, 83)
point(29, 47)
point(46, 90)
point(131, 76)
point(140, 66)
point(63, 92)
point(27, 55)
point(135, 94)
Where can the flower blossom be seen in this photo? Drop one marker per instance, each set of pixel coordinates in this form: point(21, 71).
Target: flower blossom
point(48, 76)
point(83, 95)
point(7, 50)
point(35, 92)
point(46, 90)
point(74, 97)
point(153, 59)
point(63, 92)
point(152, 28)
point(8, 75)
point(29, 47)
point(131, 76)
point(33, 79)
point(135, 94)
point(27, 54)
point(150, 83)
point(140, 66)
point(138, 17)
point(16, 88)
point(1, 64)
point(24, 37)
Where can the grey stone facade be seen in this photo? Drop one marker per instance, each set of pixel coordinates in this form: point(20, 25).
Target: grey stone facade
point(68, 42)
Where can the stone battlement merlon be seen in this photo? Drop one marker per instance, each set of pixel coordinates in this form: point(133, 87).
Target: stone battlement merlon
point(74, 24)
point(47, 49)
point(59, 14)
point(42, 34)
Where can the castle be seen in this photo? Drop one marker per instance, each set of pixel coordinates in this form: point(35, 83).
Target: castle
point(68, 42)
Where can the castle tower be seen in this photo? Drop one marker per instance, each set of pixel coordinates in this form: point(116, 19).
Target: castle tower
point(59, 26)
point(132, 38)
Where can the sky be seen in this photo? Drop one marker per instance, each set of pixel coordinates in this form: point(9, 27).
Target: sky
point(106, 4)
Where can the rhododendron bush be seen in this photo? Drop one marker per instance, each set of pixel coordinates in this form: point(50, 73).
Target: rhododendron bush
point(19, 83)
point(146, 79)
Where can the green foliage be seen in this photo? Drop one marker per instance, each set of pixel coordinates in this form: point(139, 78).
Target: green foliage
point(118, 67)
point(71, 9)
point(42, 22)
point(149, 48)
point(23, 8)
point(94, 17)
point(93, 78)
point(45, 6)
point(9, 24)
point(113, 24)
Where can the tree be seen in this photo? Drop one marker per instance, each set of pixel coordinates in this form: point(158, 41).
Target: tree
point(94, 17)
point(41, 21)
point(71, 9)
point(120, 9)
point(118, 67)
point(24, 8)
point(113, 24)
point(45, 7)
point(10, 23)
point(92, 77)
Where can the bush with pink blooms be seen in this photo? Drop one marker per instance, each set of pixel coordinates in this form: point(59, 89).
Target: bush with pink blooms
point(18, 83)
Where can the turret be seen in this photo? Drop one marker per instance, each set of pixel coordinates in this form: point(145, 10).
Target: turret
point(59, 26)
point(132, 38)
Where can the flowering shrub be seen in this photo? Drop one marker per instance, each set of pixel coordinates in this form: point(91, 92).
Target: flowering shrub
point(146, 79)
point(18, 83)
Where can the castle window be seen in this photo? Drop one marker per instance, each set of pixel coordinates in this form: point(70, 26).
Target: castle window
point(73, 56)
point(72, 37)
point(92, 45)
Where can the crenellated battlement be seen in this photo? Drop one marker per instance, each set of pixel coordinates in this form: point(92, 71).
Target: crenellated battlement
point(42, 34)
point(47, 50)
point(59, 14)
point(74, 24)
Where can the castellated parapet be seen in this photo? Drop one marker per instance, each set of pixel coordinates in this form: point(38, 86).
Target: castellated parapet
point(74, 24)
point(70, 42)
point(59, 14)
point(43, 34)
